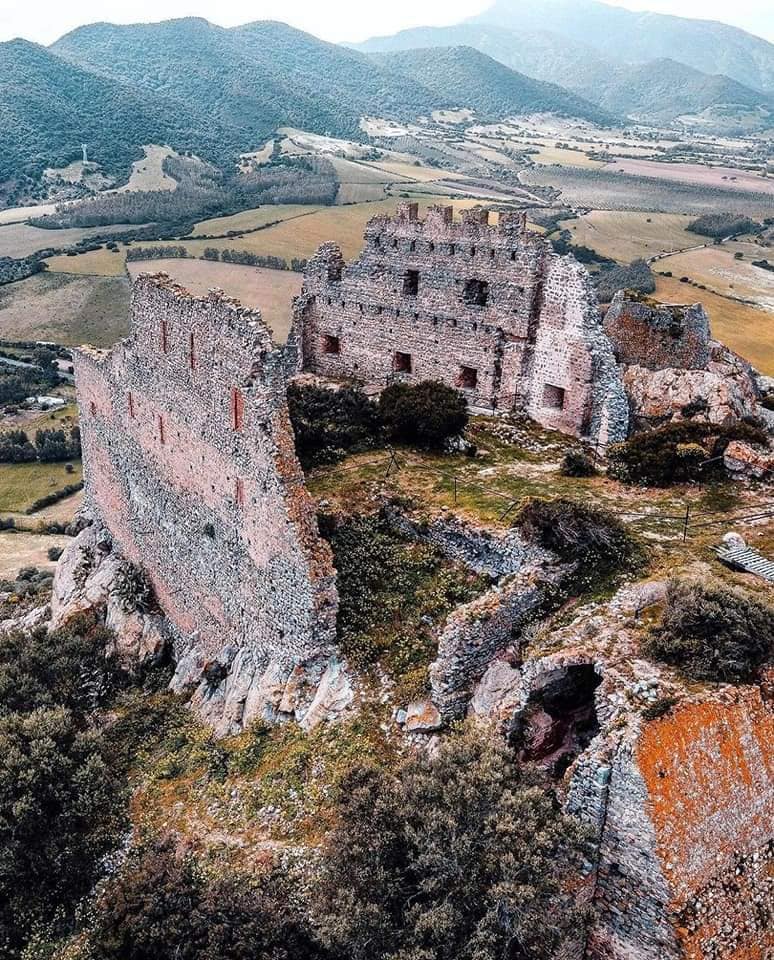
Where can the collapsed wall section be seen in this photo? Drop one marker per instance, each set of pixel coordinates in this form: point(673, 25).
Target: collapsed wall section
point(190, 463)
point(489, 310)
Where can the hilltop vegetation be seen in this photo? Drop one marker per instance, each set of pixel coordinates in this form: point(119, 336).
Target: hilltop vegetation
point(477, 81)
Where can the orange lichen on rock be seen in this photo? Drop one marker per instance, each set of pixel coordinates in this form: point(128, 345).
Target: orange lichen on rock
point(708, 771)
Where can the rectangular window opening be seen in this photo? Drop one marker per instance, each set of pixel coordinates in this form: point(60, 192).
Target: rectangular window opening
point(553, 397)
point(331, 344)
point(191, 352)
point(130, 404)
point(476, 292)
point(468, 378)
point(411, 283)
point(237, 409)
point(164, 342)
point(239, 492)
point(161, 430)
point(401, 362)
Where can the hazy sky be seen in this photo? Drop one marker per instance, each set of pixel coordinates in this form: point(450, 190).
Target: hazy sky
point(338, 20)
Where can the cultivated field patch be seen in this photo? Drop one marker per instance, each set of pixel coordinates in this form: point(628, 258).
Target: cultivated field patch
point(717, 268)
point(22, 240)
point(148, 173)
point(627, 235)
point(603, 190)
point(746, 329)
point(27, 549)
point(547, 155)
point(66, 309)
point(21, 484)
point(727, 178)
point(270, 291)
point(251, 219)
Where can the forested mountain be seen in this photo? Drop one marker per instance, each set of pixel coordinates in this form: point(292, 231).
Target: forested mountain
point(705, 45)
point(49, 107)
point(658, 90)
point(218, 92)
point(483, 84)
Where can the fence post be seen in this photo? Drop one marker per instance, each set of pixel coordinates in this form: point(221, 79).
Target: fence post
point(687, 519)
point(455, 488)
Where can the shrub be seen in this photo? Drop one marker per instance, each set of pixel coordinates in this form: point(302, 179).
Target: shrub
point(61, 810)
point(637, 276)
point(454, 855)
point(54, 553)
point(328, 422)
point(577, 463)
point(425, 414)
point(675, 452)
point(162, 905)
point(588, 535)
point(713, 634)
point(67, 667)
point(133, 588)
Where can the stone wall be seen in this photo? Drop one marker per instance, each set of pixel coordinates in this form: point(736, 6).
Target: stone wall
point(657, 335)
point(492, 311)
point(190, 464)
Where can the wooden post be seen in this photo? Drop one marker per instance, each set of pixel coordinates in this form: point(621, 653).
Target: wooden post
point(455, 488)
point(687, 519)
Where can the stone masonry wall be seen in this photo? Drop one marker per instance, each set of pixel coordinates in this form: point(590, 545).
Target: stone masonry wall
point(190, 463)
point(658, 336)
point(492, 311)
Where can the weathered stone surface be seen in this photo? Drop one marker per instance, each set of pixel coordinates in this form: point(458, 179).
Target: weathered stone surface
point(190, 465)
point(422, 716)
point(657, 335)
point(723, 393)
point(490, 310)
point(744, 460)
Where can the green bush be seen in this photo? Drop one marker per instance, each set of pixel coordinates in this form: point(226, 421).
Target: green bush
point(62, 809)
point(453, 855)
point(163, 906)
point(590, 536)
point(328, 422)
point(67, 667)
point(425, 414)
point(713, 634)
point(675, 452)
point(577, 463)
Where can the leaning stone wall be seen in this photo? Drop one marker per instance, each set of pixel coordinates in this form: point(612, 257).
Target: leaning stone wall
point(490, 310)
point(190, 463)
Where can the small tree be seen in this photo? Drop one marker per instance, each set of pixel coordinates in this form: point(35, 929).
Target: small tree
point(425, 414)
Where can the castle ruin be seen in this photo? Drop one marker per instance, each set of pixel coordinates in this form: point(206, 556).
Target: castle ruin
point(489, 310)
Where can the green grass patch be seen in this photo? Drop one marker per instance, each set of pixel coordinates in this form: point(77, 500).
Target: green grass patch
point(21, 484)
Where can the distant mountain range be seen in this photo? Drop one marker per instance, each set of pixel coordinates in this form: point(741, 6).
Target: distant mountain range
point(650, 66)
point(216, 91)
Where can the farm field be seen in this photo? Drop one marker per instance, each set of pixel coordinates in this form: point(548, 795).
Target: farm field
point(716, 268)
point(270, 291)
point(148, 173)
point(66, 309)
point(405, 170)
point(727, 178)
point(298, 236)
point(21, 484)
point(27, 549)
point(548, 155)
point(21, 240)
point(747, 330)
point(604, 190)
point(627, 235)
point(251, 219)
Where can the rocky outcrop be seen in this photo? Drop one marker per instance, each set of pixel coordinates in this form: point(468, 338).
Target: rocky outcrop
point(229, 690)
point(743, 460)
point(723, 393)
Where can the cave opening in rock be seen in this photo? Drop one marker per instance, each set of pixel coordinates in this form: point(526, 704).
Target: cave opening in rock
point(559, 720)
